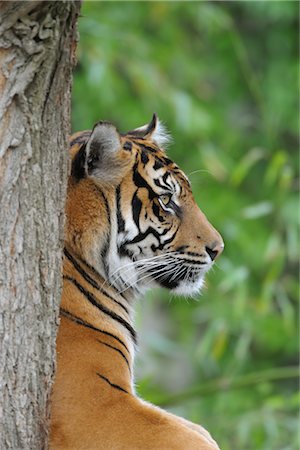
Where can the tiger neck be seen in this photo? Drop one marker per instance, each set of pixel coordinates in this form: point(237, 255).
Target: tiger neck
point(105, 314)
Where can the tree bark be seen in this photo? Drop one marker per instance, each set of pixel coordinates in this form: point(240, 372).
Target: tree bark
point(37, 47)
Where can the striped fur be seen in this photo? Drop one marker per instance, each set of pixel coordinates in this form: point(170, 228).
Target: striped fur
point(131, 223)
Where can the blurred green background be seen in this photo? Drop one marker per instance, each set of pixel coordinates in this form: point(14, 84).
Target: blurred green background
point(223, 77)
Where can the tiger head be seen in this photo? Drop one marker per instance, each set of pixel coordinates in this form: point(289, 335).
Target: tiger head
point(131, 214)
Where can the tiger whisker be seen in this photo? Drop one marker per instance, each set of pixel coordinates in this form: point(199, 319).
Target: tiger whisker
point(149, 265)
point(146, 269)
point(152, 275)
point(140, 269)
point(199, 171)
point(141, 266)
point(152, 258)
point(132, 265)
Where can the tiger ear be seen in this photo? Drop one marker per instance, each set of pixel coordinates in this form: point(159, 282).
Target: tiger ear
point(102, 157)
point(105, 158)
point(154, 131)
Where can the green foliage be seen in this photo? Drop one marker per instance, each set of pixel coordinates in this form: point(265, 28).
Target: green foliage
point(223, 77)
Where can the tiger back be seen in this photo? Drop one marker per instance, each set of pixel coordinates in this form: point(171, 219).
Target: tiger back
point(131, 223)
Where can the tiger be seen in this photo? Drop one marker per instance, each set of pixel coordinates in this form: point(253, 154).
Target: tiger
point(131, 223)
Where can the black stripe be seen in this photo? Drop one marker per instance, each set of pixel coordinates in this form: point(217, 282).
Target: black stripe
point(77, 169)
point(191, 261)
point(182, 248)
point(105, 201)
point(168, 241)
point(79, 321)
point(127, 146)
point(169, 162)
point(80, 269)
point(106, 245)
point(165, 176)
point(140, 182)
point(117, 350)
point(156, 212)
point(136, 205)
point(157, 182)
point(150, 230)
point(158, 164)
point(144, 157)
point(147, 147)
point(89, 296)
point(81, 139)
point(91, 280)
point(116, 386)
point(123, 251)
point(97, 274)
point(120, 220)
point(194, 254)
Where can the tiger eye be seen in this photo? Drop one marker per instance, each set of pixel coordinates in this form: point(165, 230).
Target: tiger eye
point(165, 199)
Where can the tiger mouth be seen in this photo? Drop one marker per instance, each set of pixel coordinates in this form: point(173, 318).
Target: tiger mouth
point(172, 271)
point(172, 276)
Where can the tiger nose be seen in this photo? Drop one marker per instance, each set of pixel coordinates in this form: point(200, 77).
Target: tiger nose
point(215, 249)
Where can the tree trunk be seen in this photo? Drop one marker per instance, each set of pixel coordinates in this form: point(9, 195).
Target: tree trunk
point(37, 46)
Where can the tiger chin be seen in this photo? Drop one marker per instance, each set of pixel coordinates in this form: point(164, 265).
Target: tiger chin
point(131, 223)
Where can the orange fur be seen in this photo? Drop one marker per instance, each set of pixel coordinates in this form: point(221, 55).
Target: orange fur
point(93, 403)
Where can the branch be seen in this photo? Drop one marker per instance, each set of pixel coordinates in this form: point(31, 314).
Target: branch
point(229, 383)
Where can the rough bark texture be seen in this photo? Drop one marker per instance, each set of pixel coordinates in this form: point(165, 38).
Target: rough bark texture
point(37, 45)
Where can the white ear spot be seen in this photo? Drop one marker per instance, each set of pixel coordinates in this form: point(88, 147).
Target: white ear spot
point(160, 135)
point(154, 131)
